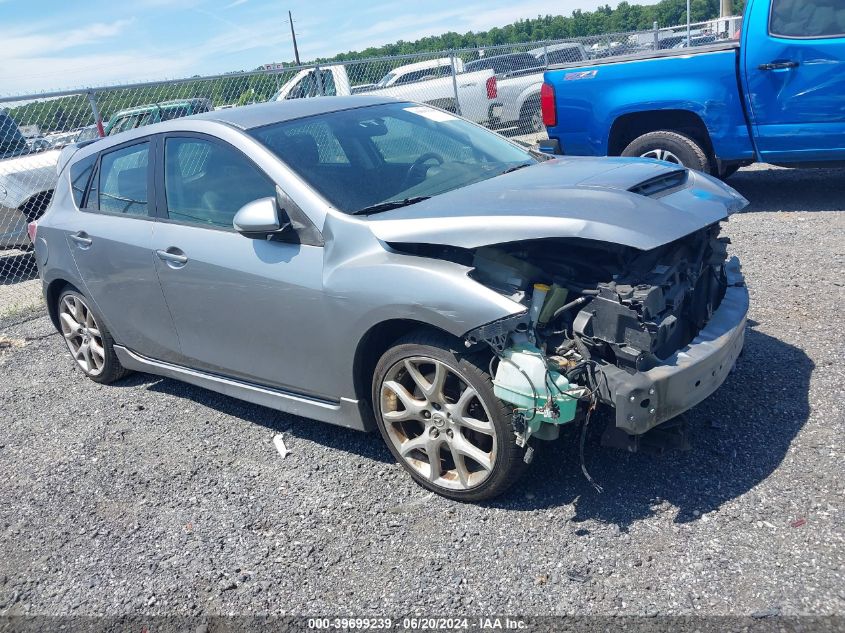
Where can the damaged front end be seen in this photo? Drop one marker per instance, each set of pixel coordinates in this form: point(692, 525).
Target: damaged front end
point(649, 333)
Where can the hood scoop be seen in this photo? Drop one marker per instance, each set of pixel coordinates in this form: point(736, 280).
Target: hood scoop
point(661, 184)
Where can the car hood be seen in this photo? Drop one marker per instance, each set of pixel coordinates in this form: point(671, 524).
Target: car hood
point(634, 202)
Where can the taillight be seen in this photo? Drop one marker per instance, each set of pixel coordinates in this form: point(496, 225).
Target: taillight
point(492, 88)
point(31, 230)
point(547, 105)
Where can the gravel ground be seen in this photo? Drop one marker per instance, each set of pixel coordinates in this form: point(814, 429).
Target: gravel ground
point(20, 290)
point(152, 496)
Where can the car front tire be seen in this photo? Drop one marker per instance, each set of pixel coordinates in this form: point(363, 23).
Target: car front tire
point(438, 415)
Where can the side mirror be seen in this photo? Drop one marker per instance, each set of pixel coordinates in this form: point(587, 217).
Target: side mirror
point(261, 219)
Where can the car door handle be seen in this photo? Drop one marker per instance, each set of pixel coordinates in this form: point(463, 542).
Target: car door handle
point(778, 65)
point(82, 239)
point(173, 256)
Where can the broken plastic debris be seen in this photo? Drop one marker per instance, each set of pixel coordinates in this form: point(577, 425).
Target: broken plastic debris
point(279, 443)
point(798, 522)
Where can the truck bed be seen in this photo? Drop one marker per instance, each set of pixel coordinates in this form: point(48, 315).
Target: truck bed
point(645, 55)
point(598, 102)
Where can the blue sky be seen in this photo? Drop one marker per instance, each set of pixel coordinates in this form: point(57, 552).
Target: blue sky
point(58, 44)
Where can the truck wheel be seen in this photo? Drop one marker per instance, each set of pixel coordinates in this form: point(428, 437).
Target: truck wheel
point(671, 147)
point(531, 119)
point(438, 415)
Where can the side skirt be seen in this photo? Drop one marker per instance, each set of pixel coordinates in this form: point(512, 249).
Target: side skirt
point(344, 412)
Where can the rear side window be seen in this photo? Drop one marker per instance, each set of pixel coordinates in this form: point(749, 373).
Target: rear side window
point(206, 183)
point(807, 18)
point(80, 174)
point(123, 181)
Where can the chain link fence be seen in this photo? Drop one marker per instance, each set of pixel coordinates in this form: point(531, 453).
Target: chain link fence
point(496, 86)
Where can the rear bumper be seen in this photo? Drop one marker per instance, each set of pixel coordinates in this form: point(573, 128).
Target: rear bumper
point(648, 398)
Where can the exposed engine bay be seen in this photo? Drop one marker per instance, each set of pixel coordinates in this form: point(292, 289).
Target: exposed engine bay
point(593, 311)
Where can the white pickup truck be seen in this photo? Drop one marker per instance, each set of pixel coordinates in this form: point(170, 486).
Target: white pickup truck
point(519, 78)
point(27, 180)
point(476, 91)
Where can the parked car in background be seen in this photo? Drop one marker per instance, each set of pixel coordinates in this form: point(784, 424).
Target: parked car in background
point(506, 65)
point(139, 116)
point(477, 91)
point(376, 263)
point(519, 78)
point(27, 180)
point(774, 96)
point(701, 40)
point(564, 53)
point(419, 71)
point(87, 134)
point(38, 144)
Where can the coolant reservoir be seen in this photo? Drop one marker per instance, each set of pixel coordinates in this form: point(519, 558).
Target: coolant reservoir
point(521, 380)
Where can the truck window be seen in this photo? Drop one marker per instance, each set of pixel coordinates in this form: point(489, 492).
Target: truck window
point(807, 18)
point(329, 88)
point(304, 88)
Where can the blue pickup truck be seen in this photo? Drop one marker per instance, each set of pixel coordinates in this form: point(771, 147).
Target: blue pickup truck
point(776, 94)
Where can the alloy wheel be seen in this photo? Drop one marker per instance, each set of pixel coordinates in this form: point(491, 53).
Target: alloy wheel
point(662, 154)
point(82, 334)
point(438, 423)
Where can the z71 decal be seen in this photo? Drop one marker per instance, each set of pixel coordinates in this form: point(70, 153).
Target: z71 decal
point(584, 74)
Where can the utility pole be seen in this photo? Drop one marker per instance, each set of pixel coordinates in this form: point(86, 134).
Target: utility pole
point(293, 35)
point(726, 9)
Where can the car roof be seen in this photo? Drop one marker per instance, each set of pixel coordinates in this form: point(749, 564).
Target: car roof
point(154, 106)
point(555, 47)
point(502, 56)
point(243, 118)
point(260, 114)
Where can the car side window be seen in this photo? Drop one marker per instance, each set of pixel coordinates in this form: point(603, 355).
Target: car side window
point(206, 183)
point(122, 181)
point(807, 18)
point(80, 174)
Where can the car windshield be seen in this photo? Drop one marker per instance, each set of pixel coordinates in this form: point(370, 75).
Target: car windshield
point(382, 156)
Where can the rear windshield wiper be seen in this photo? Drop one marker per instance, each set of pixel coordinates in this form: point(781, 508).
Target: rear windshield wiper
point(388, 205)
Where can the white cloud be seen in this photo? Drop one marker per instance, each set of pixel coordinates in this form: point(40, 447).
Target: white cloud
point(41, 39)
point(36, 74)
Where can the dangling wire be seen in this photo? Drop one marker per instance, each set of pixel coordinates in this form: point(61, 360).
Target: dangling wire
point(581, 446)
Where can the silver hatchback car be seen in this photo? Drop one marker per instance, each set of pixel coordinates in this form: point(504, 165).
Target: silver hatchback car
point(380, 264)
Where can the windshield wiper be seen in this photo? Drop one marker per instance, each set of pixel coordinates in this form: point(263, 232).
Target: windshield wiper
point(515, 167)
point(389, 204)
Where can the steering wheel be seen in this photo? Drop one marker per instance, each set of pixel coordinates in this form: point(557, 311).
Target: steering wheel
point(416, 172)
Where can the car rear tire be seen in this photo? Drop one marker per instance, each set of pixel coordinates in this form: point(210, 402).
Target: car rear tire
point(439, 417)
point(90, 343)
point(672, 147)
